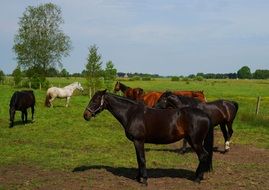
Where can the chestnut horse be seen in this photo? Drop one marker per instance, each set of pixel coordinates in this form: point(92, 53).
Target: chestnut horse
point(158, 126)
point(221, 112)
point(151, 98)
point(132, 93)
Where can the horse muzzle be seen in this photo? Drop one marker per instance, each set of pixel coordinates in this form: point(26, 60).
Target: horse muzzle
point(88, 115)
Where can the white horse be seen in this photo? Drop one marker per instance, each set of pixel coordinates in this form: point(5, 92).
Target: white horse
point(65, 92)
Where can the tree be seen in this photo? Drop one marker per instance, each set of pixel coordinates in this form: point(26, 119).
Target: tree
point(64, 73)
point(261, 74)
point(2, 74)
point(244, 73)
point(93, 70)
point(40, 43)
point(110, 74)
point(17, 75)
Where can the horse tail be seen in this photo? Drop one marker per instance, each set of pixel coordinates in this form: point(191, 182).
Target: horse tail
point(208, 145)
point(47, 102)
point(236, 106)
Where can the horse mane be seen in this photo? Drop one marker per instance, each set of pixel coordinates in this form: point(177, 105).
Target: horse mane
point(122, 98)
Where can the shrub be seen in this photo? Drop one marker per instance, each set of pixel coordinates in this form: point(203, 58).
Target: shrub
point(175, 79)
point(146, 78)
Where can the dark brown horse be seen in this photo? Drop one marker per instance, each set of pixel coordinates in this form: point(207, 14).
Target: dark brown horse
point(221, 112)
point(147, 125)
point(21, 101)
point(132, 93)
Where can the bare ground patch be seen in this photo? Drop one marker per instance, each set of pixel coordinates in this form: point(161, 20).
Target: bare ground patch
point(244, 167)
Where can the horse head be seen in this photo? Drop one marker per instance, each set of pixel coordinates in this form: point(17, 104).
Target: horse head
point(95, 106)
point(79, 87)
point(162, 102)
point(117, 87)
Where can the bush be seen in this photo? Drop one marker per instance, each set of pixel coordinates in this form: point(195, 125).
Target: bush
point(199, 78)
point(134, 78)
point(146, 78)
point(175, 79)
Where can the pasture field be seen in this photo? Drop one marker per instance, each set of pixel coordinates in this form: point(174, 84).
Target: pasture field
point(60, 150)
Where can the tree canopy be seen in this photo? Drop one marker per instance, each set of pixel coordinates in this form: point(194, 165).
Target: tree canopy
point(244, 73)
point(40, 43)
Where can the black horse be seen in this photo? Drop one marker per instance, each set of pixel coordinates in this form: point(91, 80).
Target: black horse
point(221, 112)
point(21, 100)
point(147, 125)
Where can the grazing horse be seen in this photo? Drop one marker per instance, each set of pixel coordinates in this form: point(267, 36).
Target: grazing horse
point(151, 98)
point(132, 93)
point(158, 126)
point(65, 92)
point(221, 112)
point(21, 100)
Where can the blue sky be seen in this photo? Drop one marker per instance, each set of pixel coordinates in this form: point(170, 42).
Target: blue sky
point(167, 37)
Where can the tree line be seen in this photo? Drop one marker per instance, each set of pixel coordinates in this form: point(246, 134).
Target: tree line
point(40, 44)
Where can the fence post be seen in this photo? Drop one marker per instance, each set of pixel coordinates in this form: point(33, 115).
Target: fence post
point(40, 86)
point(258, 105)
point(30, 84)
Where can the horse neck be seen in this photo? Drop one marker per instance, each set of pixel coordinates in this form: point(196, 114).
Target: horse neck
point(71, 87)
point(123, 87)
point(120, 108)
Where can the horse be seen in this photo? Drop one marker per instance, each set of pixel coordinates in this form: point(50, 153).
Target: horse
point(151, 98)
point(65, 92)
point(132, 93)
point(21, 101)
point(158, 126)
point(221, 112)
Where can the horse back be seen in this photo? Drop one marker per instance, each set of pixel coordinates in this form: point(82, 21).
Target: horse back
point(225, 109)
point(151, 98)
point(164, 126)
point(21, 100)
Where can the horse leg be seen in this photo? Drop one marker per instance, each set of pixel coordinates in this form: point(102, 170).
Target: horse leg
point(67, 101)
point(141, 161)
point(226, 138)
point(230, 133)
point(25, 114)
point(51, 101)
point(201, 140)
point(184, 146)
point(202, 156)
point(33, 111)
point(11, 117)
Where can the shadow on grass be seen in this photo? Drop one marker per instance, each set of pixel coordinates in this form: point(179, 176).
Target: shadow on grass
point(131, 172)
point(19, 123)
point(180, 150)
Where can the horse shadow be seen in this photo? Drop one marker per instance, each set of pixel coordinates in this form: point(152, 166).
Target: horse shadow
point(130, 173)
point(180, 150)
point(20, 123)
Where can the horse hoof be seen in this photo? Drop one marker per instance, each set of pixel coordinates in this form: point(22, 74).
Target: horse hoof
point(197, 180)
point(137, 178)
point(144, 182)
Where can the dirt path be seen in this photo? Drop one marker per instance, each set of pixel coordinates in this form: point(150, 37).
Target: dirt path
point(242, 168)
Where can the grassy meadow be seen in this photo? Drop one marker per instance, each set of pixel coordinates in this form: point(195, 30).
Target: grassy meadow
point(60, 138)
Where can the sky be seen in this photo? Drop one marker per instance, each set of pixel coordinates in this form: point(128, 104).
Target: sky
point(165, 37)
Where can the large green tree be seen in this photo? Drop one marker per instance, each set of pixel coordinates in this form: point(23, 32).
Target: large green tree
point(93, 70)
point(244, 73)
point(40, 43)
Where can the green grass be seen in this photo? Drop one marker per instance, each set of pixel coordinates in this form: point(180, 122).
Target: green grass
point(60, 138)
